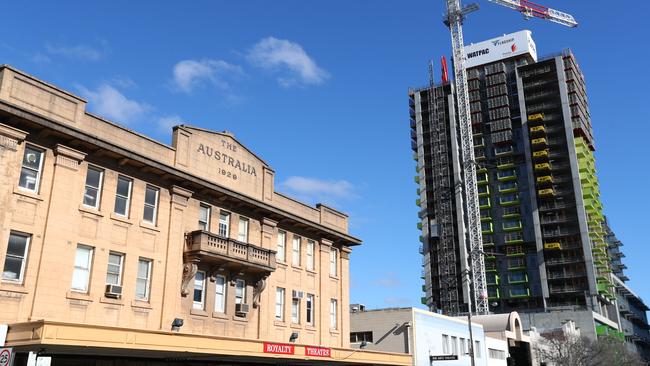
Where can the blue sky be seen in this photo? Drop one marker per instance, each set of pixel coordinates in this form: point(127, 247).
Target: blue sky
point(319, 90)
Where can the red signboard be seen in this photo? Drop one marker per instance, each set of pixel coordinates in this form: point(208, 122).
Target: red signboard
point(279, 348)
point(318, 351)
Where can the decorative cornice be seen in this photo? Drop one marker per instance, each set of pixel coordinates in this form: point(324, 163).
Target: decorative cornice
point(10, 137)
point(68, 157)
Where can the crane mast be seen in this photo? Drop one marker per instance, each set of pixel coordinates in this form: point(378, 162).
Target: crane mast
point(455, 17)
point(454, 20)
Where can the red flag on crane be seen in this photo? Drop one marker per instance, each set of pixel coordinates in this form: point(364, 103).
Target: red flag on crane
point(445, 73)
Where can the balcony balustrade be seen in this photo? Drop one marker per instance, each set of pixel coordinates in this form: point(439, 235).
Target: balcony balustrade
point(229, 253)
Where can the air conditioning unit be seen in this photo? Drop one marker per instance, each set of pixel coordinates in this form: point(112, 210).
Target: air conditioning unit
point(297, 294)
point(242, 309)
point(113, 291)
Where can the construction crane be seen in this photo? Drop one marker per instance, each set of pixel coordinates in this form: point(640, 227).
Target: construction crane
point(454, 20)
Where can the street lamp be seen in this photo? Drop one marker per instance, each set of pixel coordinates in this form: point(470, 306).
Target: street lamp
point(468, 281)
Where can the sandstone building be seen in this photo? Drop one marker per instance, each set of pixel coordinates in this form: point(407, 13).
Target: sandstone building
point(119, 248)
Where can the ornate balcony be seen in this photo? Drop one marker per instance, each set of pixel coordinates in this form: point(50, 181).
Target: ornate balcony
point(229, 253)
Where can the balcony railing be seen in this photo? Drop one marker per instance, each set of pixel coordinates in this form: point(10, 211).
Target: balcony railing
point(228, 252)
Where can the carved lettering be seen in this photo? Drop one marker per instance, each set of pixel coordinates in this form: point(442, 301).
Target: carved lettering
point(227, 160)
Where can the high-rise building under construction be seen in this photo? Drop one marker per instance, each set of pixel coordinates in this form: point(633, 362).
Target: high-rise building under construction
point(541, 216)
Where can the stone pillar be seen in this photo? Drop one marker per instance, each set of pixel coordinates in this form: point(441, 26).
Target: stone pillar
point(323, 301)
point(61, 220)
point(344, 275)
point(10, 161)
point(174, 265)
point(265, 297)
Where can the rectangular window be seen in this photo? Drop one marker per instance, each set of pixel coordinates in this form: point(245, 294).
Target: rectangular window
point(220, 294)
point(279, 304)
point(151, 205)
point(16, 258)
point(463, 346)
point(509, 199)
point(310, 310)
point(484, 202)
point(204, 217)
point(295, 251)
point(240, 291)
point(496, 354)
point(92, 192)
point(333, 262)
point(506, 174)
point(507, 186)
point(242, 234)
point(445, 344)
point(333, 314)
point(282, 242)
point(295, 311)
point(32, 166)
point(454, 345)
point(224, 224)
point(358, 337)
point(114, 270)
point(81, 272)
point(477, 349)
point(310, 254)
point(123, 196)
point(143, 282)
point(199, 290)
point(517, 277)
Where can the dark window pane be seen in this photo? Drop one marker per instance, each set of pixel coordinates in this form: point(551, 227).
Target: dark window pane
point(17, 245)
point(150, 196)
point(120, 205)
point(123, 186)
point(90, 197)
point(12, 268)
point(148, 213)
point(198, 295)
point(32, 158)
point(27, 179)
point(93, 177)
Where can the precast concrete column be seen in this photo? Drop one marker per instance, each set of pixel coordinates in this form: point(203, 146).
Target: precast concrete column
point(10, 161)
point(60, 221)
point(176, 270)
point(344, 282)
point(262, 299)
point(323, 301)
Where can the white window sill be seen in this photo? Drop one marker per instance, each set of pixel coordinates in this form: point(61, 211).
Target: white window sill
point(148, 225)
point(27, 193)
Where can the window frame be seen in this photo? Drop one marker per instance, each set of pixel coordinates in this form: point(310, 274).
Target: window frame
point(88, 270)
point(206, 224)
point(39, 172)
point(23, 261)
point(281, 255)
point(246, 222)
point(334, 323)
point(127, 207)
point(311, 248)
point(280, 294)
point(224, 224)
point(310, 307)
point(99, 187)
point(296, 251)
point(445, 344)
point(147, 280)
point(220, 306)
point(334, 265)
point(240, 297)
point(295, 311)
point(120, 268)
point(199, 305)
point(155, 205)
